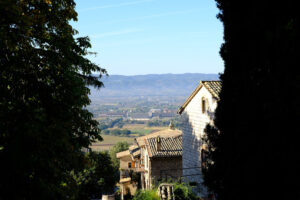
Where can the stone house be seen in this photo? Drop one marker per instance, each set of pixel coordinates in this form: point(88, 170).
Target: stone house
point(155, 157)
point(197, 111)
point(129, 164)
point(162, 158)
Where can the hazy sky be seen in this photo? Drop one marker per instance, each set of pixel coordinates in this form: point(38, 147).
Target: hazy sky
point(134, 37)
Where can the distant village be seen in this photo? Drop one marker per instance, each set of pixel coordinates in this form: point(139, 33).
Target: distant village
point(136, 109)
point(154, 113)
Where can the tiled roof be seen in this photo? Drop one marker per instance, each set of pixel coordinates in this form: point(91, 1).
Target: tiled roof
point(132, 147)
point(214, 87)
point(170, 146)
point(123, 154)
point(136, 153)
point(163, 133)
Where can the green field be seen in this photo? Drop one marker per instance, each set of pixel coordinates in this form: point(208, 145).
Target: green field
point(137, 129)
point(109, 141)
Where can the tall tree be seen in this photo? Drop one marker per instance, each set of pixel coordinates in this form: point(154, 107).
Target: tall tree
point(253, 148)
point(44, 122)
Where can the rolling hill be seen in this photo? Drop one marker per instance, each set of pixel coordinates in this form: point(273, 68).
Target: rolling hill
point(150, 85)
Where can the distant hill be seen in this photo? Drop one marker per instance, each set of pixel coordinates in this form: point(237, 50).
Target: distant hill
point(150, 85)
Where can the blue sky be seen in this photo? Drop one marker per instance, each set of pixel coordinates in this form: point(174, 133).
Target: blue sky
point(133, 37)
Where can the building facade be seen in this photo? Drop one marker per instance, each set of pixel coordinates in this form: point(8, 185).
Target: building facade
point(197, 111)
point(155, 157)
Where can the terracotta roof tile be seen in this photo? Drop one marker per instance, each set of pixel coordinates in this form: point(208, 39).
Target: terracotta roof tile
point(163, 133)
point(214, 87)
point(122, 154)
point(170, 146)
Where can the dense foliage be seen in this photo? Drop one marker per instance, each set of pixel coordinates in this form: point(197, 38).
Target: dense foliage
point(111, 123)
point(43, 76)
point(253, 148)
point(96, 177)
point(183, 192)
point(146, 195)
point(117, 132)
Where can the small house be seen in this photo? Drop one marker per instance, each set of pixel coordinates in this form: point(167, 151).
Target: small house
point(153, 157)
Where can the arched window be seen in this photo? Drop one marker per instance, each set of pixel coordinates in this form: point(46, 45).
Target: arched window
point(204, 105)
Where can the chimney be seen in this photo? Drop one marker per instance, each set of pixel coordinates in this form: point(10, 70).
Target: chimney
point(158, 144)
point(171, 126)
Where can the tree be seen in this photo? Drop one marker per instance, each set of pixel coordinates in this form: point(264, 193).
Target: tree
point(120, 146)
point(253, 150)
point(44, 123)
point(183, 192)
point(95, 179)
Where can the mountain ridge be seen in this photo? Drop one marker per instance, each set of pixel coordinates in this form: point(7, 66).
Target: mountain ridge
point(150, 85)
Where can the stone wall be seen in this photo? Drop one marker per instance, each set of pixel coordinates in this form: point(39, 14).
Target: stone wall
point(165, 168)
point(195, 122)
point(124, 162)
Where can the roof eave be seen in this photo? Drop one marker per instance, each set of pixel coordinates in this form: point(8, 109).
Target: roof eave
point(189, 99)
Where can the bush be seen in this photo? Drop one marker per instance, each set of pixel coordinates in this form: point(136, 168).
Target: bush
point(119, 132)
point(183, 192)
point(146, 195)
point(95, 179)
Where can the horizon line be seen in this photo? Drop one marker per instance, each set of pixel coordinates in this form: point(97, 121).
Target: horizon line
point(217, 73)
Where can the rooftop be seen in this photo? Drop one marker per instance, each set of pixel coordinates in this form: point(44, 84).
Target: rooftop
point(214, 87)
point(163, 133)
point(123, 154)
point(170, 146)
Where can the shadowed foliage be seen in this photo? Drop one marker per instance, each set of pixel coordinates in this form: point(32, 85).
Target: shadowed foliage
point(43, 93)
point(253, 148)
point(96, 177)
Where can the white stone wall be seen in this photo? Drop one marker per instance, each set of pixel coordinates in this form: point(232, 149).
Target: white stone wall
point(194, 124)
point(124, 162)
point(146, 162)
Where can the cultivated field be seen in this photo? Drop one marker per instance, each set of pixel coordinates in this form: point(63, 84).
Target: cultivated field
point(136, 129)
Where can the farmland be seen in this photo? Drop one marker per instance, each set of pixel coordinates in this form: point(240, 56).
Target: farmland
point(136, 129)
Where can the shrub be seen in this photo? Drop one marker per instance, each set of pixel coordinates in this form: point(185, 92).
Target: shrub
point(183, 192)
point(146, 195)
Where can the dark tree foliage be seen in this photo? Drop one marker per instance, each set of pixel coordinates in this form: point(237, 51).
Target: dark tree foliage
point(253, 148)
point(97, 176)
point(43, 94)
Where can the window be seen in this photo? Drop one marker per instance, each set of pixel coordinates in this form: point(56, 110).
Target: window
point(129, 165)
point(204, 106)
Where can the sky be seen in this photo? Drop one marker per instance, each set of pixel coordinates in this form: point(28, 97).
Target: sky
point(135, 37)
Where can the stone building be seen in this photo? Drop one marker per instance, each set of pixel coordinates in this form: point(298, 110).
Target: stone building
point(129, 164)
point(155, 157)
point(197, 111)
point(163, 159)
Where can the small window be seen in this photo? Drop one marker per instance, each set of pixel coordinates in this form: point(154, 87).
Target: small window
point(204, 105)
point(129, 165)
